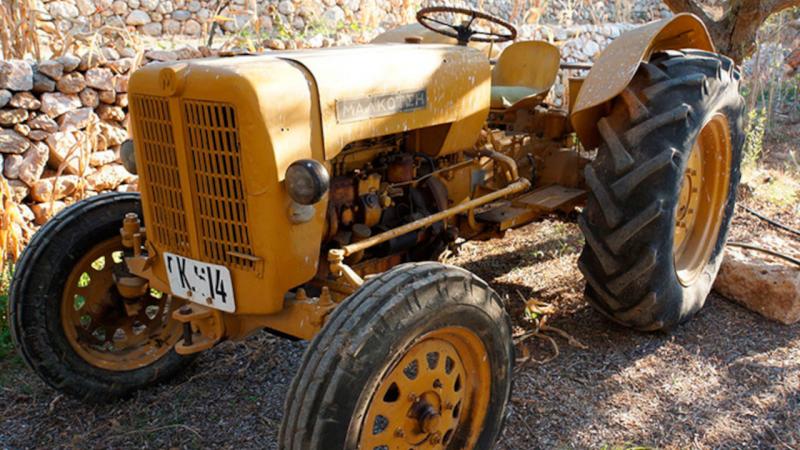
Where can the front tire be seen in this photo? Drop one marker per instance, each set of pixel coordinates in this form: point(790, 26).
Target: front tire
point(663, 190)
point(67, 320)
point(419, 357)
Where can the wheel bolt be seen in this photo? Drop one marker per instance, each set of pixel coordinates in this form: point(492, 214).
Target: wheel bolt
point(448, 406)
point(399, 433)
point(435, 438)
point(412, 398)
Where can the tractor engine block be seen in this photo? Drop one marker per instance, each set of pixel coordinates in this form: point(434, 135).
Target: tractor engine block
point(377, 186)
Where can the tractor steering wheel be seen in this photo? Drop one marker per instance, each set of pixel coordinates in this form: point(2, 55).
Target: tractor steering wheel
point(464, 32)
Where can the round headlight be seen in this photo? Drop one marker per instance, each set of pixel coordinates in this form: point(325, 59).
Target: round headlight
point(307, 181)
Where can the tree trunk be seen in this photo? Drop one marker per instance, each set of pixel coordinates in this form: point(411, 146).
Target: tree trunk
point(735, 33)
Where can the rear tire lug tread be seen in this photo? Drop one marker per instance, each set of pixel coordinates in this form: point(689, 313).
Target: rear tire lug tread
point(608, 262)
point(625, 186)
point(631, 257)
point(635, 135)
point(641, 268)
point(653, 73)
point(636, 109)
point(622, 235)
point(607, 298)
point(694, 79)
point(640, 309)
point(608, 206)
point(619, 154)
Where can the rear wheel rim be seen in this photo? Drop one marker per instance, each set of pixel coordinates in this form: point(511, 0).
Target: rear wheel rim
point(702, 199)
point(436, 394)
point(95, 320)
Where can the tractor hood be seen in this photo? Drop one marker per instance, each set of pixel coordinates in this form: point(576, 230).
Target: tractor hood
point(355, 92)
point(377, 90)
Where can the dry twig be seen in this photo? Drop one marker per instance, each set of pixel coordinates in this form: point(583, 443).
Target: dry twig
point(539, 313)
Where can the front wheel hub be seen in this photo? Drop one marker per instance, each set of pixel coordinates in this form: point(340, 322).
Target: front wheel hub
point(110, 330)
point(432, 396)
point(427, 415)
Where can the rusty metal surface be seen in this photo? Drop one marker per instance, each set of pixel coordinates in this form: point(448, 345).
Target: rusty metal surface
point(618, 63)
point(513, 188)
point(531, 206)
point(205, 328)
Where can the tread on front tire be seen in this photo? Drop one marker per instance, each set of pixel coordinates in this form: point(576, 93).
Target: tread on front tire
point(636, 183)
point(366, 339)
point(36, 296)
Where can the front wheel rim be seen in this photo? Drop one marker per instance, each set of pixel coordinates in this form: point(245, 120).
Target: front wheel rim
point(436, 394)
point(701, 203)
point(96, 323)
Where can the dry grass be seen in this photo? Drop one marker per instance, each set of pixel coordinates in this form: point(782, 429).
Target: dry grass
point(12, 226)
point(18, 29)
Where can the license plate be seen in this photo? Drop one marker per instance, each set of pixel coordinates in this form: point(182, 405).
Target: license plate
point(199, 282)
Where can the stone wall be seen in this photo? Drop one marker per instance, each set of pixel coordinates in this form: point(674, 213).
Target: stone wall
point(61, 125)
point(344, 20)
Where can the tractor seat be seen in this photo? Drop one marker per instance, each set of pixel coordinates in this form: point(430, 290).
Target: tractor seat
point(504, 97)
point(524, 74)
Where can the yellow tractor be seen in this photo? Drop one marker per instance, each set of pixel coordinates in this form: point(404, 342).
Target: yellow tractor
point(309, 193)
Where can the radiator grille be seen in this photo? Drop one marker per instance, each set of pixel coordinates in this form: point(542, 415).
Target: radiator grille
point(160, 169)
point(212, 139)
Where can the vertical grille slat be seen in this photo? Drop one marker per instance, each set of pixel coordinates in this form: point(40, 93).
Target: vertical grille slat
point(160, 170)
point(214, 152)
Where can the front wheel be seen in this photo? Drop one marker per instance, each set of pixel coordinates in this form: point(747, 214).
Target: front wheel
point(419, 357)
point(663, 189)
point(68, 321)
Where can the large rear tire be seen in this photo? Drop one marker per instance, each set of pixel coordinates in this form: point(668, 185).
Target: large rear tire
point(663, 190)
point(419, 357)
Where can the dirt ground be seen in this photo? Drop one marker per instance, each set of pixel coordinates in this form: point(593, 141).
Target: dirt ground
point(727, 379)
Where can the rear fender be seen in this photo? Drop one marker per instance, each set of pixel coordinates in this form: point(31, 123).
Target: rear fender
point(618, 63)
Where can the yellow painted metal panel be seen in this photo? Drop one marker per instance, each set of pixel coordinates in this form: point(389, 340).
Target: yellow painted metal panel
point(274, 129)
point(618, 64)
point(455, 81)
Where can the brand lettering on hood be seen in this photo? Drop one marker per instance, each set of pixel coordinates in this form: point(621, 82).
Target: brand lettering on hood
point(363, 108)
